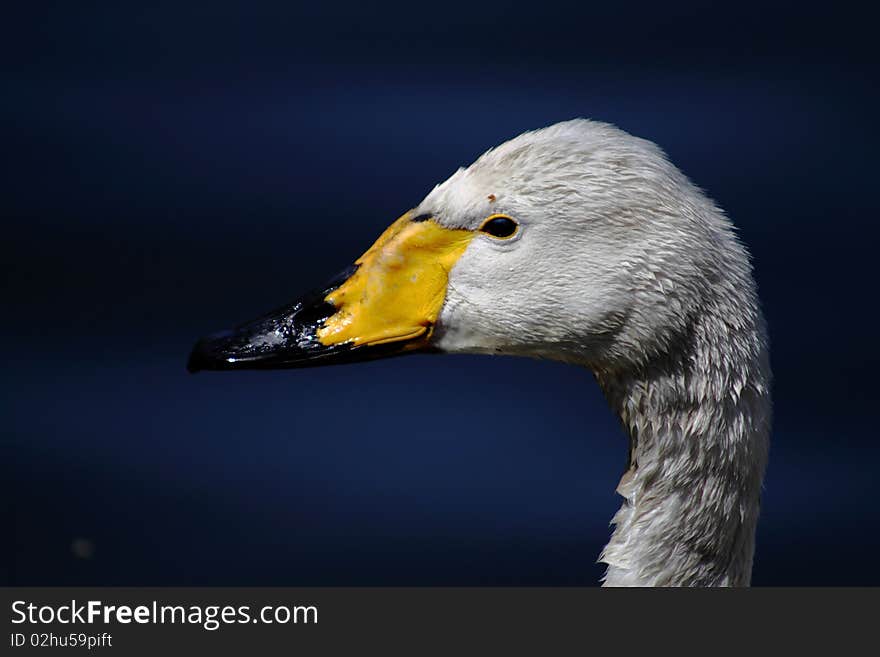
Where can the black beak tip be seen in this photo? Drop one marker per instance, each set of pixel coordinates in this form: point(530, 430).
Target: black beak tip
point(197, 358)
point(195, 362)
point(204, 354)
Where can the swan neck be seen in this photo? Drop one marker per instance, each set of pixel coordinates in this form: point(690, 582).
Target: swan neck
point(698, 422)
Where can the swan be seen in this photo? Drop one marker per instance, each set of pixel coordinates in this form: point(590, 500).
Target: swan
point(581, 243)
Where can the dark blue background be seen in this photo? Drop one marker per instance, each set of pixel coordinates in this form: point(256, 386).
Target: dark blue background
point(175, 169)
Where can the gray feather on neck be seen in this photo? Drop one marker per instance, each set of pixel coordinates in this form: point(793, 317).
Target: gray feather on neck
point(698, 419)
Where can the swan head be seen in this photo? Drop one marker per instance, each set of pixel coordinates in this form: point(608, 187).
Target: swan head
point(576, 242)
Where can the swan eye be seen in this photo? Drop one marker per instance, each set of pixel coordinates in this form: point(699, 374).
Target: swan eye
point(500, 226)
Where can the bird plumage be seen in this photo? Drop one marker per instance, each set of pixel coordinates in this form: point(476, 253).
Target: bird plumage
point(638, 276)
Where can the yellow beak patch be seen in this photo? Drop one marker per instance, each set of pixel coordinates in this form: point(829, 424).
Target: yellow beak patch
point(399, 287)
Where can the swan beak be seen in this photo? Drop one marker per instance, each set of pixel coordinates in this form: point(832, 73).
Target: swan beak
point(386, 304)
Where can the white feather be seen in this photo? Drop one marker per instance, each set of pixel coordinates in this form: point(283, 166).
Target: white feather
point(623, 266)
